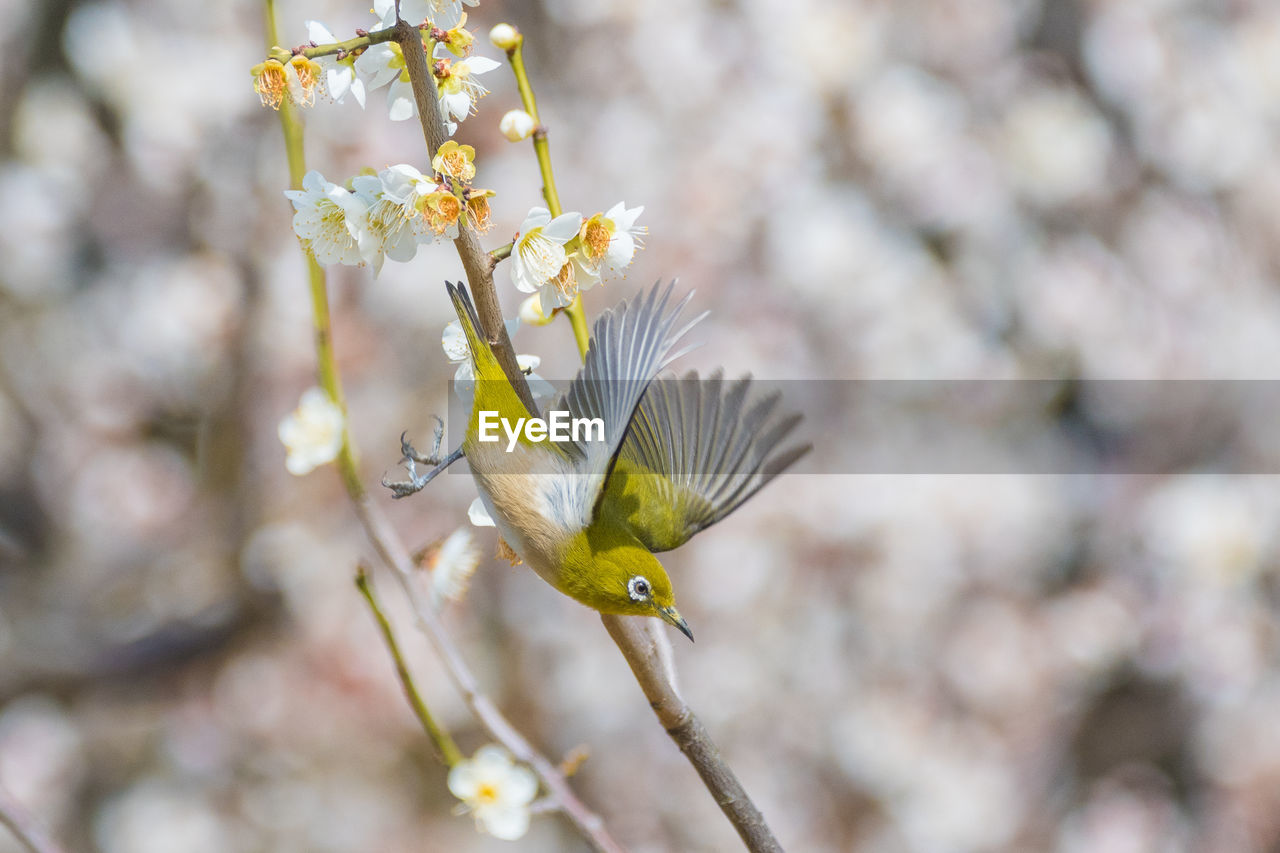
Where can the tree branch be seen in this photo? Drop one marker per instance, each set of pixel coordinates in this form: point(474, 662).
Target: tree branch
point(24, 828)
point(475, 260)
point(392, 552)
point(643, 647)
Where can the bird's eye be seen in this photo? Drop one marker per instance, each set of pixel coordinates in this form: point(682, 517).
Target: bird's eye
point(638, 588)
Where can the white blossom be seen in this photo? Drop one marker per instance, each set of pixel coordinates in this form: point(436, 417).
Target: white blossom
point(454, 343)
point(312, 433)
point(330, 220)
point(452, 563)
point(383, 63)
point(459, 91)
point(538, 259)
point(441, 13)
point(496, 791)
point(608, 242)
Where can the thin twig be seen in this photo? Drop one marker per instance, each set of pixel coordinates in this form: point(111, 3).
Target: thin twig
point(326, 364)
point(24, 828)
point(542, 152)
point(444, 744)
point(392, 552)
point(515, 55)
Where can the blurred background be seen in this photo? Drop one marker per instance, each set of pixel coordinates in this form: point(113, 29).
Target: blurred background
point(921, 189)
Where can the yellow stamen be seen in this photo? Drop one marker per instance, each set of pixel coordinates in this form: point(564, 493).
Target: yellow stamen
point(309, 78)
point(271, 83)
point(443, 209)
point(566, 281)
point(595, 238)
point(478, 213)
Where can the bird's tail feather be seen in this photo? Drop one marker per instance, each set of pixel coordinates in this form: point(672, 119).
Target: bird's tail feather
point(482, 356)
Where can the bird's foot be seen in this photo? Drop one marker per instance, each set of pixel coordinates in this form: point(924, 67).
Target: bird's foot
point(412, 459)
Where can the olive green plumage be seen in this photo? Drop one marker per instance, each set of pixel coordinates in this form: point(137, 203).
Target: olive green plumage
point(676, 457)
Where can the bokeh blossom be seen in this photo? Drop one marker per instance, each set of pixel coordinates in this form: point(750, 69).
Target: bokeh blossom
point(312, 434)
point(451, 563)
point(496, 791)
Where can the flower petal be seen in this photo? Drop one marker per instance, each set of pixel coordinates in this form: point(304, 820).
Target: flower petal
point(478, 515)
point(563, 228)
point(464, 782)
point(508, 824)
point(520, 787)
point(319, 33)
point(400, 103)
point(479, 64)
point(535, 218)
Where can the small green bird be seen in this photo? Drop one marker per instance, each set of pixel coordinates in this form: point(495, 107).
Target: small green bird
point(673, 457)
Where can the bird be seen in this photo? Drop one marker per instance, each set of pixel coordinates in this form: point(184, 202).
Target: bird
point(673, 457)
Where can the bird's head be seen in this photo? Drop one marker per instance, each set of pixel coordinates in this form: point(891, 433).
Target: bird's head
point(629, 580)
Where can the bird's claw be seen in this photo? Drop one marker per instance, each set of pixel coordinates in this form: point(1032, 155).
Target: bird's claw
point(412, 459)
point(409, 454)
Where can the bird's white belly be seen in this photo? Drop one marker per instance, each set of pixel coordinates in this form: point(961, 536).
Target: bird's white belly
point(536, 498)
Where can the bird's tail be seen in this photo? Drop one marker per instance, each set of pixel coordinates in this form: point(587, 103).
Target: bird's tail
point(482, 357)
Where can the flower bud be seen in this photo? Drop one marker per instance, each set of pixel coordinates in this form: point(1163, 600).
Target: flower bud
point(505, 37)
point(516, 125)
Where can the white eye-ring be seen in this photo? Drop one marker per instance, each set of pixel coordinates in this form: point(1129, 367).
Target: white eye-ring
point(638, 588)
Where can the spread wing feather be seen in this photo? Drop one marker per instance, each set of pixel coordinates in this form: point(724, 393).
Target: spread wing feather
point(696, 450)
point(630, 345)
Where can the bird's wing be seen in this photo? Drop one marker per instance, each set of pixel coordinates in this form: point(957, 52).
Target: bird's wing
point(630, 345)
point(695, 451)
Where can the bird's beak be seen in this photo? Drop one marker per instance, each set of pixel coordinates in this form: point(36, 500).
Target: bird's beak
point(670, 614)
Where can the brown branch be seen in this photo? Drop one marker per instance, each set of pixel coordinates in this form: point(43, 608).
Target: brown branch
point(392, 552)
point(476, 261)
point(643, 647)
point(24, 828)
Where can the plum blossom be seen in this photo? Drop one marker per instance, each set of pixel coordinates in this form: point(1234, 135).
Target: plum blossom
point(607, 243)
point(496, 791)
point(538, 258)
point(330, 221)
point(312, 434)
point(452, 562)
